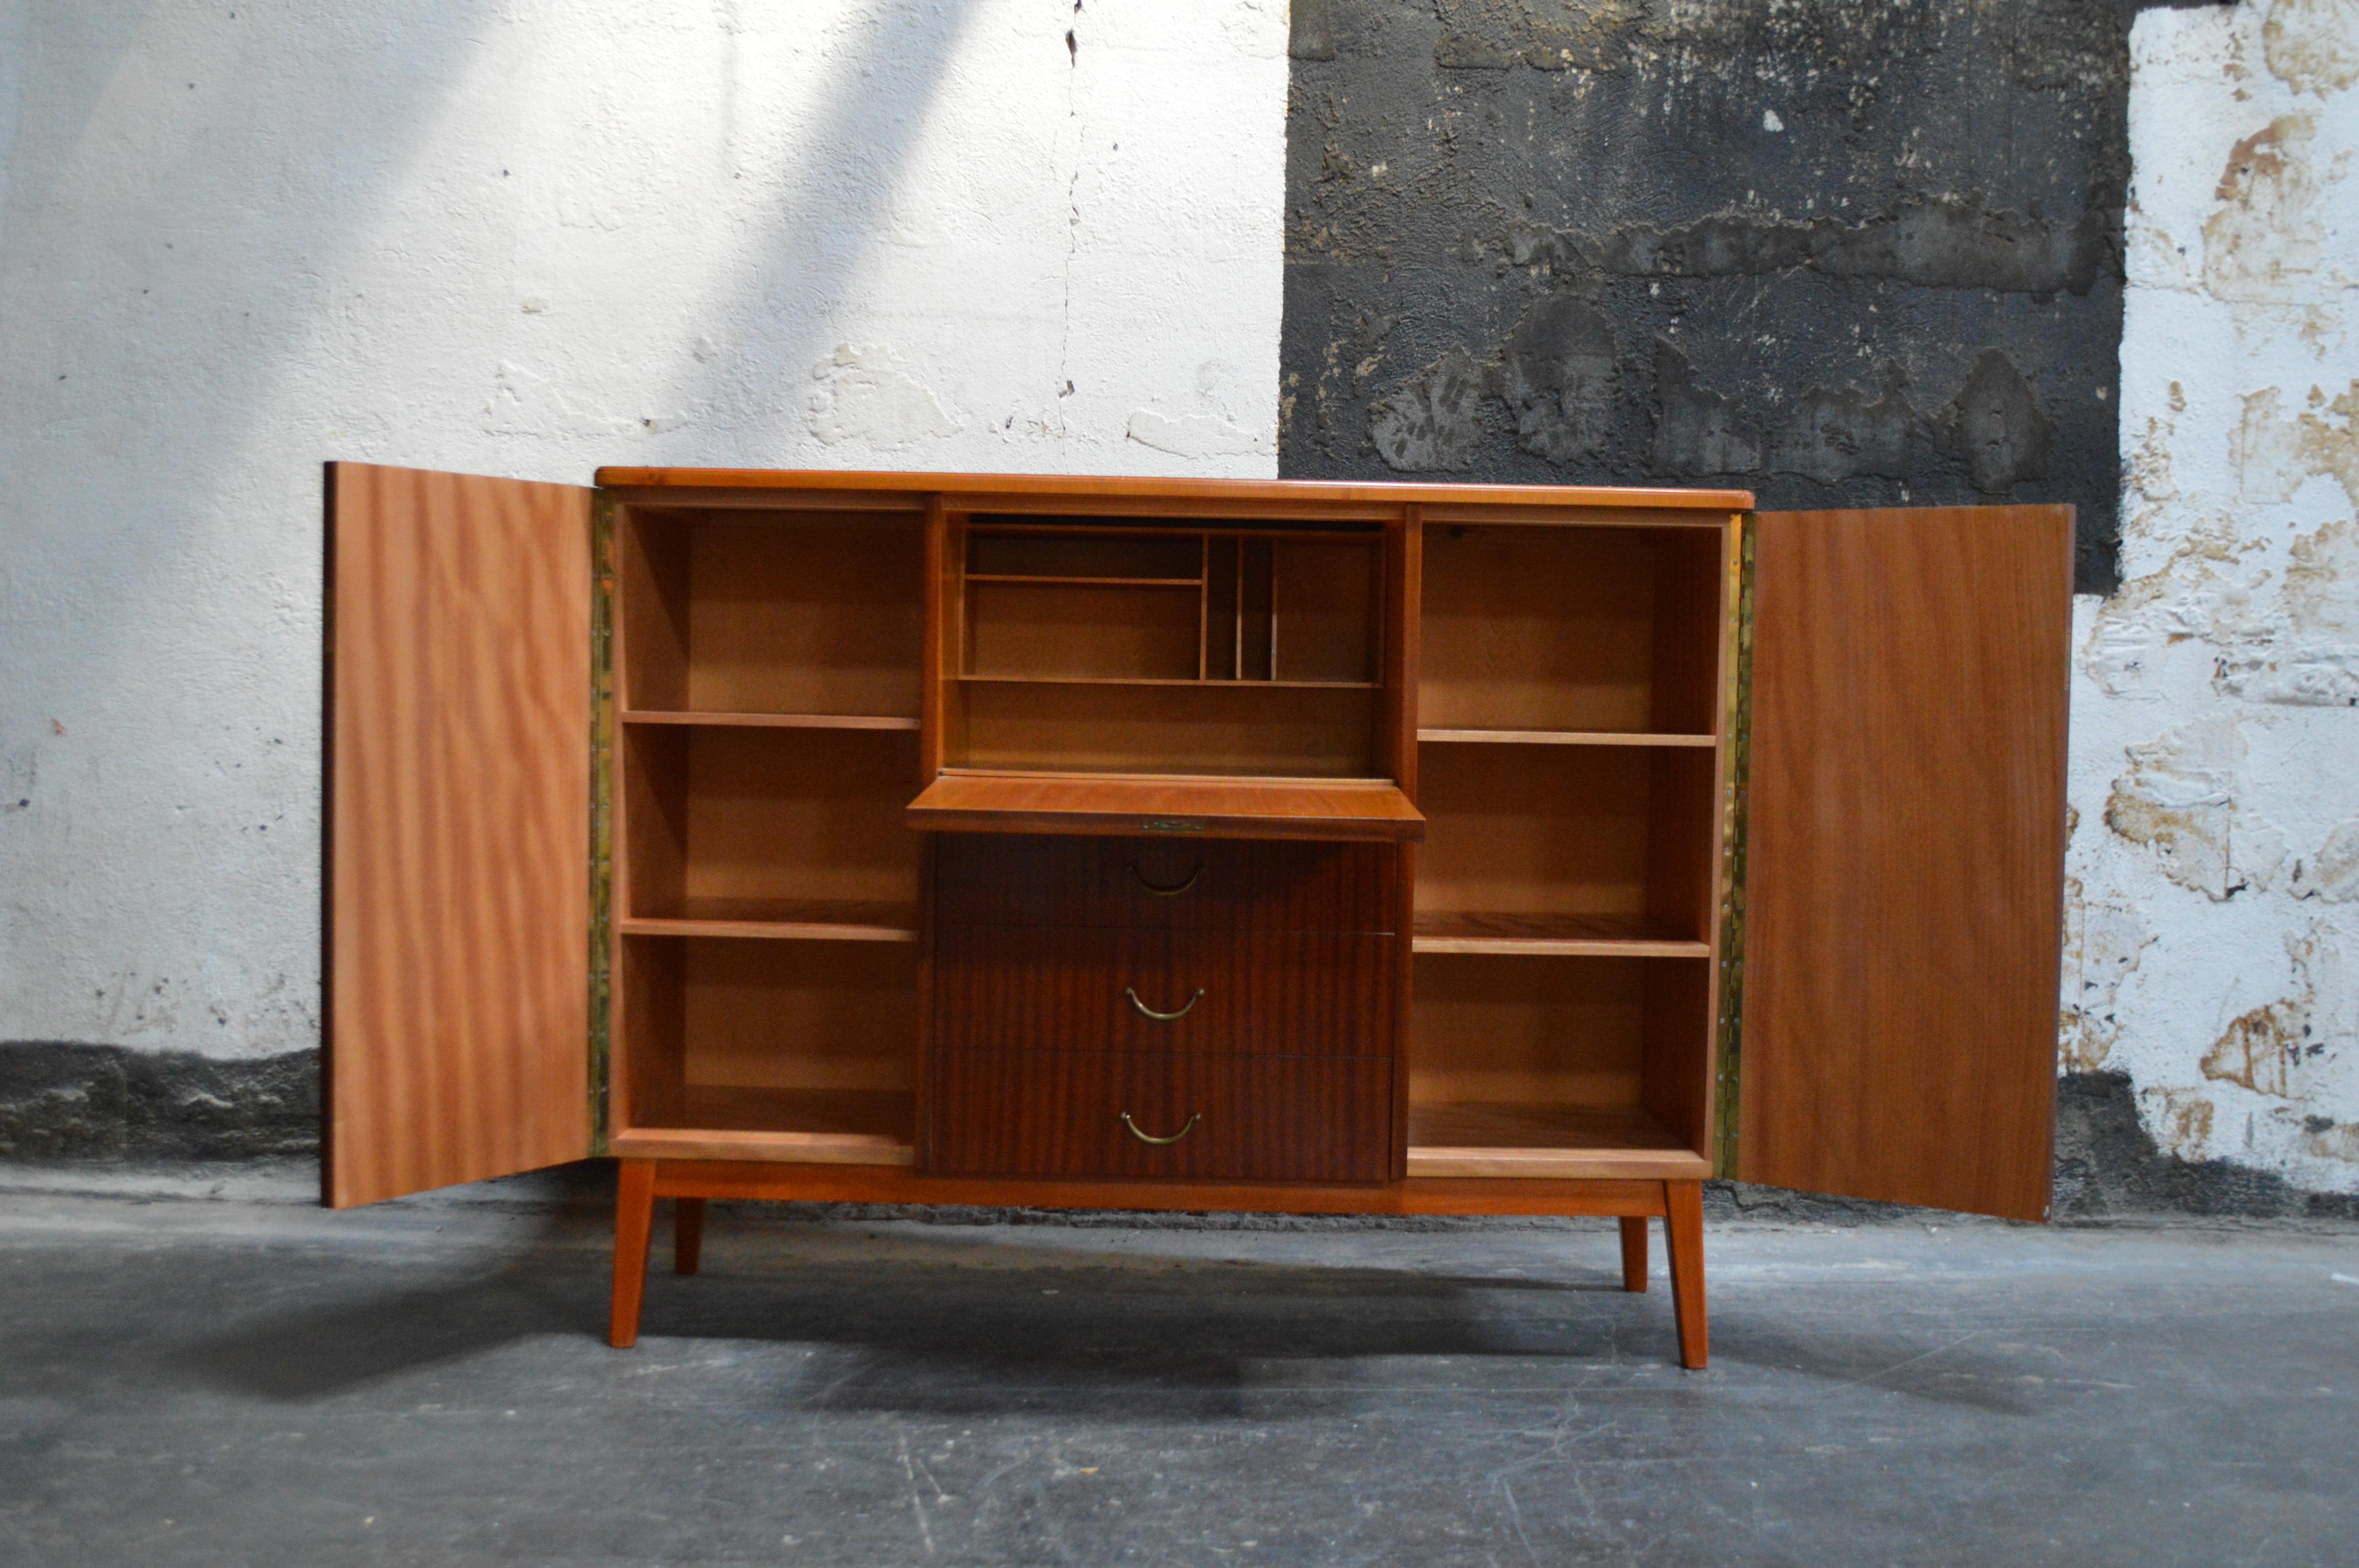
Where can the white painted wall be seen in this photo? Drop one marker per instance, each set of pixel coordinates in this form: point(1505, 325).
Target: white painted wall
point(2214, 899)
point(529, 237)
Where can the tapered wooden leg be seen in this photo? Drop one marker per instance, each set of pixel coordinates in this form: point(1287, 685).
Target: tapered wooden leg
point(1683, 1229)
point(686, 1235)
point(1634, 1253)
point(635, 1211)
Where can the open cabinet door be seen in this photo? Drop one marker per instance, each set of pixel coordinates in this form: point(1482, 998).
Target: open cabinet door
point(1904, 855)
point(458, 830)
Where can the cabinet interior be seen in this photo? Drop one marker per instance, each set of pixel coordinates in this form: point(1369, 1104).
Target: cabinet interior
point(1152, 648)
point(772, 675)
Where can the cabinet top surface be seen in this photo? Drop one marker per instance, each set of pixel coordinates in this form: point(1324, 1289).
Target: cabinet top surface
point(911, 490)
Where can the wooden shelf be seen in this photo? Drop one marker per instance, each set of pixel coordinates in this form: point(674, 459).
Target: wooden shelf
point(806, 920)
point(1061, 580)
point(1564, 935)
point(1246, 683)
point(1558, 738)
point(1538, 1141)
point(825, 1127)
point(776, 720)
point(1206, 807)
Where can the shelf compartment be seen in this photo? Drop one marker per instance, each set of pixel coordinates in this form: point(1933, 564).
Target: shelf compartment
point(766, 1050)
point(776, 720)
point(1518, 1065)
point(1584, 630)
point(1569, 935)
point(781, 919)
point(1558, 738)
point(1181, 806)
point(795, 614)
point(1569, 836)
point(1070, 554)
point(1086, 629)
point(1562, 1143)
point(725, 817)
point(1218, 728)
point(1189, 681)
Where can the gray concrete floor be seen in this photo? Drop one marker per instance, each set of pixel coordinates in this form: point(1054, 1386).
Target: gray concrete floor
point(217, 1374)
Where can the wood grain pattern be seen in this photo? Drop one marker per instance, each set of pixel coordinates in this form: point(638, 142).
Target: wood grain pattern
point(1249, 727)
point(1634, 1255)
point(1107, 495)
point(755, 815)
point(1218, 884)
point(1559, 738)
point(634, 1204)
point(778, 720)
point(1528, 1140)
point(787, 1182)
point(1058, 1113)
point(1213, 807)
point(1683, 1232)
point(1906, 854)
point(458, 907)
point(1566, 936)
point(1063, 988)
point(781, 919)
point(849, 1126)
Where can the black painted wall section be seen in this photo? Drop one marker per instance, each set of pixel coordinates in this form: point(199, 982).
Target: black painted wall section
point(1842, 253)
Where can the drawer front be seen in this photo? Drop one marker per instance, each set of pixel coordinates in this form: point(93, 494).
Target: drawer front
point(1003, 988)
point(1167, 884)
point(1060, 1113)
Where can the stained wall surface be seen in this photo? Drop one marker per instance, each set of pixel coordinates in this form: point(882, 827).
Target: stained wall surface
point(2213, 900)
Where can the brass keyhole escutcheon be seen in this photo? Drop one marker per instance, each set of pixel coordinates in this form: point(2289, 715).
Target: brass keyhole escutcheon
point(1145, 1011)
point(1150, 1138)
point(1164, 893)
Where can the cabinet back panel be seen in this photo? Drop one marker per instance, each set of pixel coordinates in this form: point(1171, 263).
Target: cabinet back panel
point(1085, 555)
point(1534, 831)
point(1527, 1030)
point(768, 613)
point(796, 616)
point(1323, 604)
point(1072, 631)
point(769, 815)
point(1274, 731)
point(801, 1015)
point(1565, 629)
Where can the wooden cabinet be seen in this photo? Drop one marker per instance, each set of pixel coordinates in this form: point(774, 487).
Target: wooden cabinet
point(1191, 845)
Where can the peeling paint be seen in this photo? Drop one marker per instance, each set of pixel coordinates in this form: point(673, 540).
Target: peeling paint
point(864, 396)
point(2102, 944)
point(2182, 799)
point(2180, 1121)
point(2313, 46)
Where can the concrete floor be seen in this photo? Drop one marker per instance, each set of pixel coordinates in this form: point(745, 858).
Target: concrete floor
point(236, 1379)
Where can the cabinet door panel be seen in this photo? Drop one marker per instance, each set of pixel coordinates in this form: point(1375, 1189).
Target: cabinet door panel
point(458, 908)
point(1904, 844)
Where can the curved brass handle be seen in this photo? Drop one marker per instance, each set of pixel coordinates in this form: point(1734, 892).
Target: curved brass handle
point(1166, 892)
point(1164, 1017)
point(1150, 1138)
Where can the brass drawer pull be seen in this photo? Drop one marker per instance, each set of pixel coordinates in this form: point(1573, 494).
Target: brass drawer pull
point(1164, 1017)
point(1166, 892)
point(1150, 1138)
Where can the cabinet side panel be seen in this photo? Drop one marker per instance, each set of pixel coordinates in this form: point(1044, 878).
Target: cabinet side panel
point(458, 897)
point(1904, 854)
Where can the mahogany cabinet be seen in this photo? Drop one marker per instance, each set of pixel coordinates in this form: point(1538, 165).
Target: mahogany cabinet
point(1208, 845)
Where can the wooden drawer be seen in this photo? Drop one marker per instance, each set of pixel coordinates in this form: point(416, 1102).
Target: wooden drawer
point(1000, 988)
point(1176, 884)
point(1059, 1113)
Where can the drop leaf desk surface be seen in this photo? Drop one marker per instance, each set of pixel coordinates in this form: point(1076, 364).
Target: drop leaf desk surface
point(1194, 845)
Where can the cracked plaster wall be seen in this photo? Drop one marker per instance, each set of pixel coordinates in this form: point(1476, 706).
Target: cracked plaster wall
point(519, 237)
point(2213, 893)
